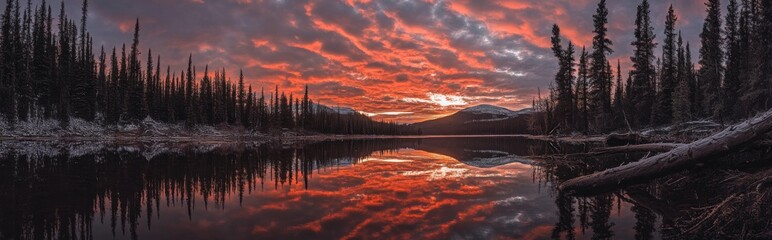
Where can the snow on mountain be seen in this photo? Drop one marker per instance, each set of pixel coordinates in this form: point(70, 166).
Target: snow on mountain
point(339, 110)
point(495, 111)
point(344, 110)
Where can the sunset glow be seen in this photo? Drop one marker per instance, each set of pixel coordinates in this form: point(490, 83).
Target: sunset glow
point(394, 60)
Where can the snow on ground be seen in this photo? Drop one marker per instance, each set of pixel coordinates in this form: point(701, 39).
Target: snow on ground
point(145, 128)
point(696, 129)
point(54, 148)
point(34, 149)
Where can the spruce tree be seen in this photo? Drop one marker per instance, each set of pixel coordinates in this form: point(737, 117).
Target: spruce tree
point(101, 93)
point(42, 82)
point(563, 79)
point(695, 96)
point(600, 82)
point(643, 90)
point(711, 59)
point(150, 84)
point(64, 75)
point(619, 108)
point(190, 103)
point(732, 82)
point(136, 95)
point(307, 108)
point(681, 97)
point(7, 65)
point(582, 93)
point(242, 108)
point(113, 95)
point(759, 94)
point(669, 71)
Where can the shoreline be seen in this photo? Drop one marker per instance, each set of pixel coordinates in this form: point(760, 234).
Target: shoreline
point(287, 137)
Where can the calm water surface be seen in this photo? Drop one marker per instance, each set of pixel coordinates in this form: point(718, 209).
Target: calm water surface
point(438, 188)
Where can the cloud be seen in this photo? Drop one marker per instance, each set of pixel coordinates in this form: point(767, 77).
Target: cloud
point(439, 99)
point(336, 88)
point(492, 51)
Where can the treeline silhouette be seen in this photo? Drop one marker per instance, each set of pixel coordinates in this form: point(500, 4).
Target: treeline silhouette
point(60, 197)
point(49, 71)
point(733, 81)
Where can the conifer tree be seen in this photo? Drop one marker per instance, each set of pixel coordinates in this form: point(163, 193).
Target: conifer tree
point(711, 59)
point(642, 94)
point(619, 108)
point(242, 114)
point(759, 94)
point(681, 97)
point(7, 64)
point(113, 95)
point(101, 93)
point(732, 82)
point(190, 99)
point(307, 108)
point(563, 79)
point(600, 81)
point(136, 95)
point(64, 70)
point(695, 95)
point(669, 71)
point(582, 93)
point(150, 84)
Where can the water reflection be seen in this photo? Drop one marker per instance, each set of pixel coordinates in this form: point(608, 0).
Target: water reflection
point(465, 188)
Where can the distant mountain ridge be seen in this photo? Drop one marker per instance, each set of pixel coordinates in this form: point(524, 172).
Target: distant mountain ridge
point(339, 110)
point(480, 119)
point(477, 120)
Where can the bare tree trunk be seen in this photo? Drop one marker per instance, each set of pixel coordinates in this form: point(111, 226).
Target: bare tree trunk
point(677, 159)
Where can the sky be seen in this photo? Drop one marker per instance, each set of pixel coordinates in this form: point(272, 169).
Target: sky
point(395, 60)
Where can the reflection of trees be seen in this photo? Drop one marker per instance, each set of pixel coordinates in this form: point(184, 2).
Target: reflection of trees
point(600, 213)
point(463, 148)
point(701, 203)
point(59, 197)
point(644, 222)
point(593, 211)
point(565, 217)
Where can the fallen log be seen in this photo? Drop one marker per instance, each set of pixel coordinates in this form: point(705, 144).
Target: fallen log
point(648, 147)
point(621, 139)
point(675, 160)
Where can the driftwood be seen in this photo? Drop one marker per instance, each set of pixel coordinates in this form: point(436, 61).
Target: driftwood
point(677, 159)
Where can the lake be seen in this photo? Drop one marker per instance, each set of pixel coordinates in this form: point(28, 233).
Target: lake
point(415, 188)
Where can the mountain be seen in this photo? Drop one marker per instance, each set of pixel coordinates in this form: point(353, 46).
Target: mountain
point(339, 110)
point(344, 110)
point(481, 119)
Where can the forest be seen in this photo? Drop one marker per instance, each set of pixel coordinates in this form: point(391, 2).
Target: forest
point(655, 111)
point(732, 79)
point(50, 70)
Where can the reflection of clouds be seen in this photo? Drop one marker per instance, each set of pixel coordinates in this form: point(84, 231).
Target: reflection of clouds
point(436, 174)
point(407, 194)
point(391, 160)
point(509, 201)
